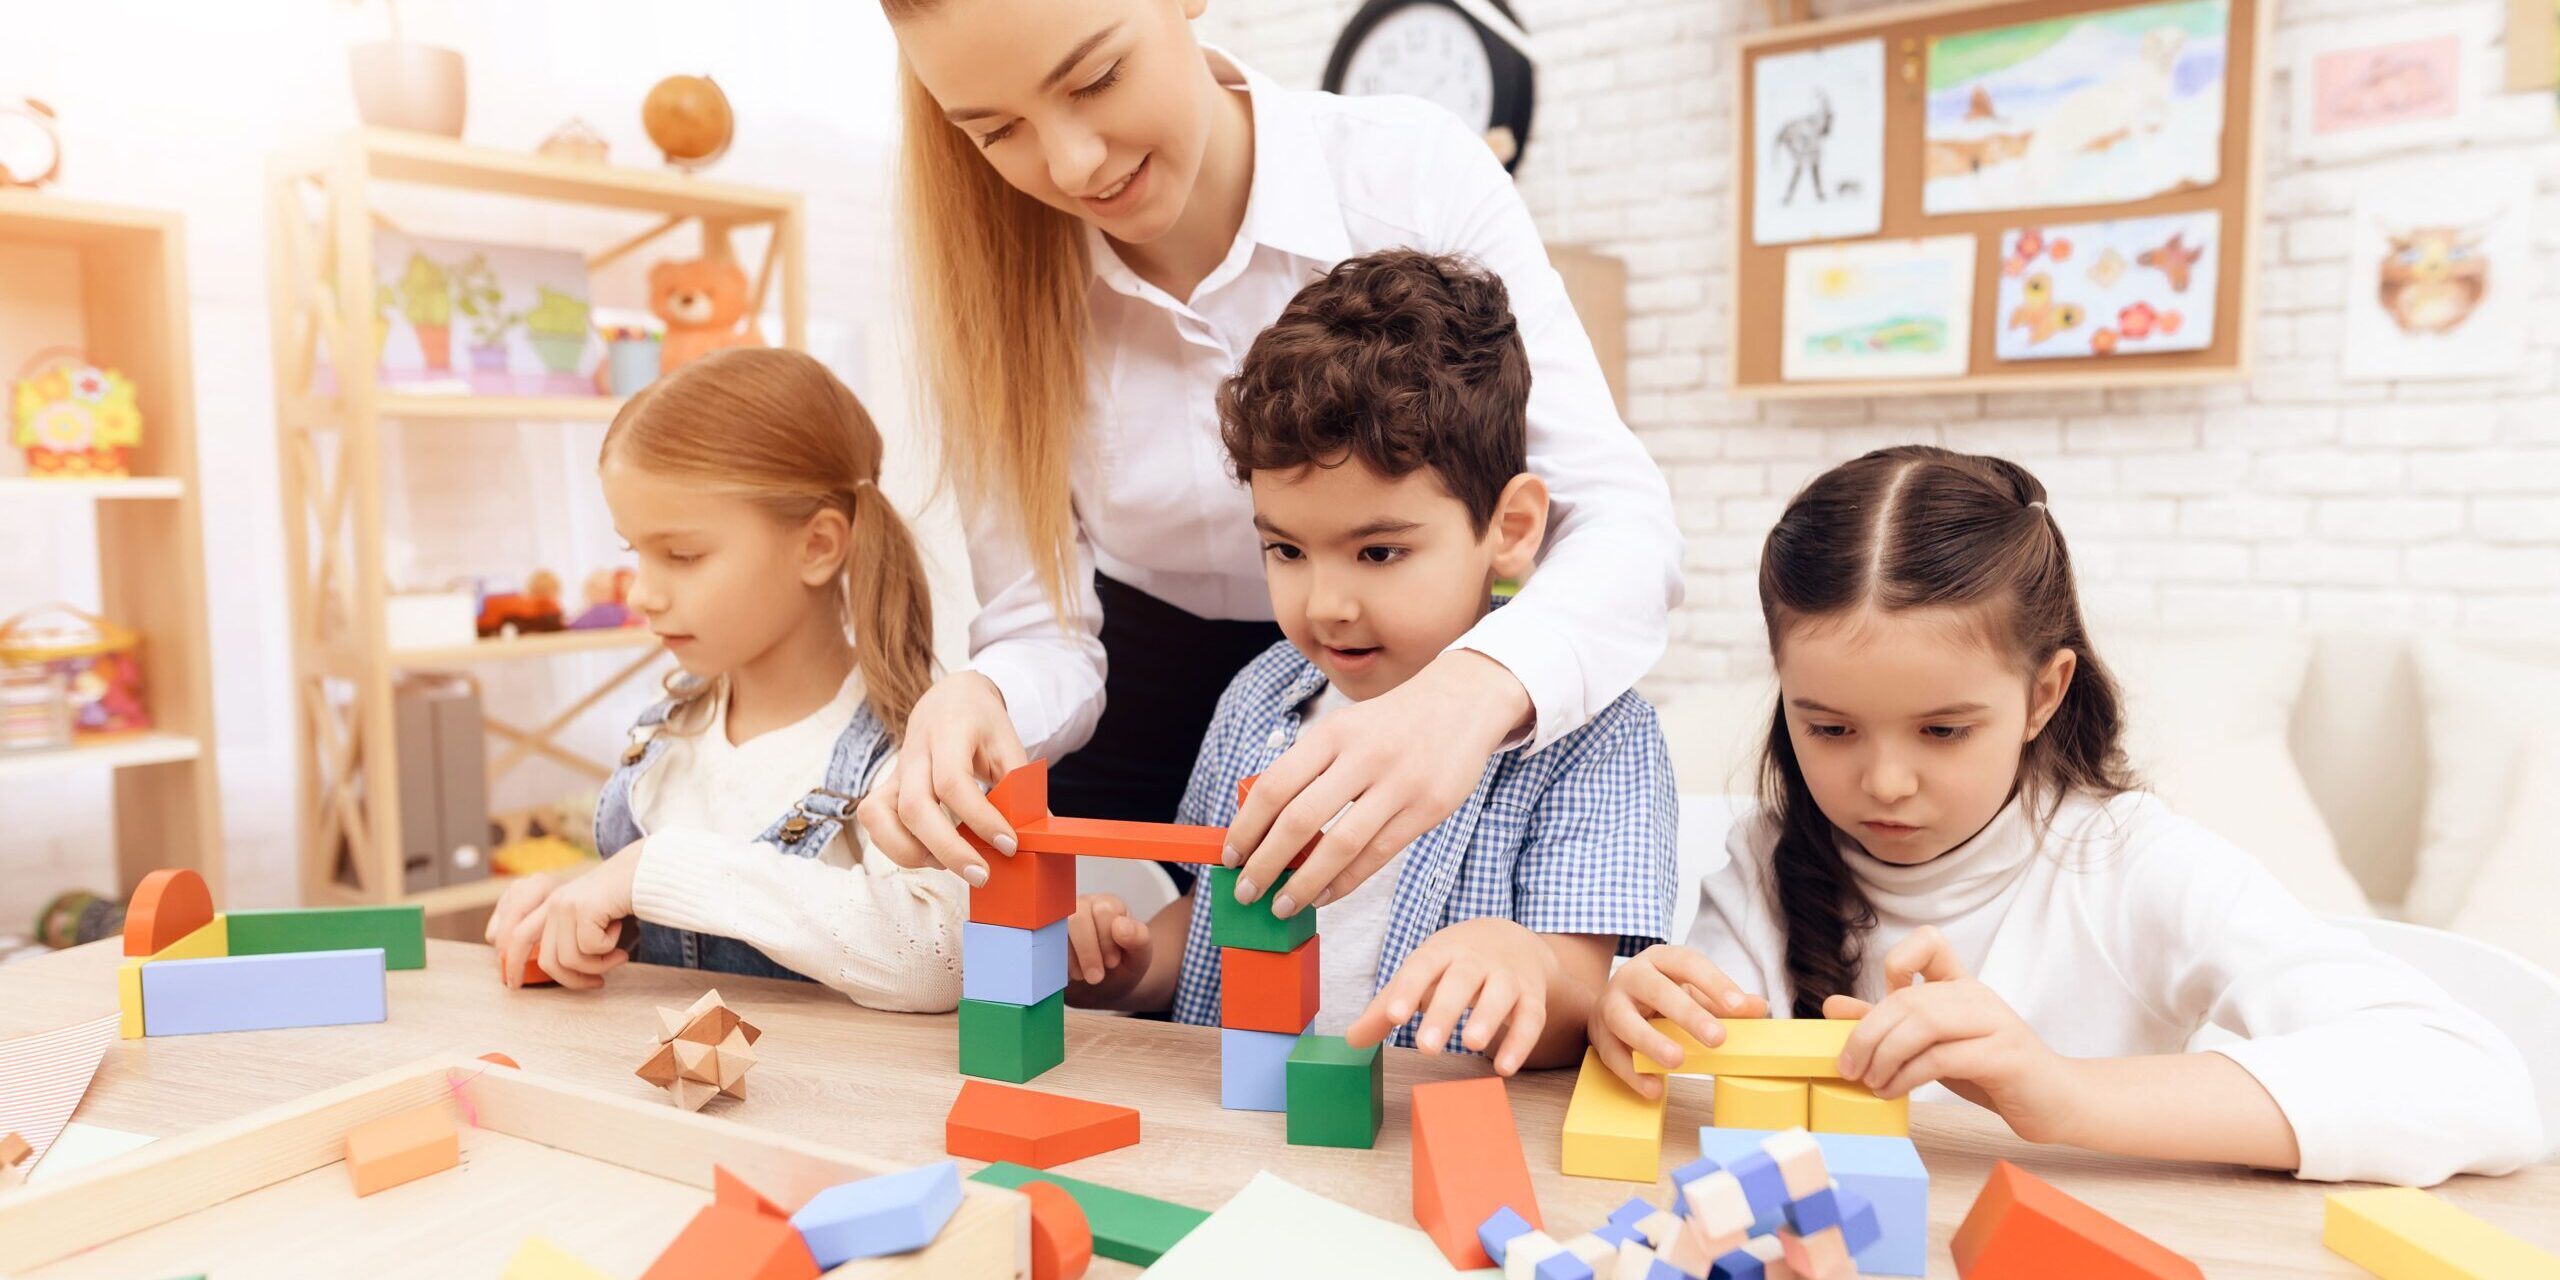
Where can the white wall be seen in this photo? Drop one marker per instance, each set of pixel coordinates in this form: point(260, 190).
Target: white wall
point(2296, 498)
point(177, 104)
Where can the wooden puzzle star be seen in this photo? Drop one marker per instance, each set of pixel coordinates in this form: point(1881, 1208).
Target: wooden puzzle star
point(702, 1052)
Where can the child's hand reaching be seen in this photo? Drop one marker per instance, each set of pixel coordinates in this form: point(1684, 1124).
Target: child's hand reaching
point(1493, 971)
point(1951, 1028)
point(1664, 982)
point(571, 927)
point(1107, 949)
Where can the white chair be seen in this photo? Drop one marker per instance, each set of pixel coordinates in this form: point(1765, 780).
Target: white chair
point(2518, 996)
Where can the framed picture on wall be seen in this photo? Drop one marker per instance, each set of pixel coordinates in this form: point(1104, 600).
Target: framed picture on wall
point(2388, 84)
point(2440, 272)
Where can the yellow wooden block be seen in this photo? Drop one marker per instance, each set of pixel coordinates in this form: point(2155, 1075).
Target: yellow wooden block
point(1610, 1131)
point(1753, 1102)
point(2403, 1233)
point(1845, 1106)
point(213, 939)
point(1772, 1048)
point(539, 1259)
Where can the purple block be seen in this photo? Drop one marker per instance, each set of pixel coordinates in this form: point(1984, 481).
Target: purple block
point(874, 1217)
point(261, 993)
point(1253, 1068)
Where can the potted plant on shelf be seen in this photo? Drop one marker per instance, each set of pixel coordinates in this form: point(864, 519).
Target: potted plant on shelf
point(401, 84)
point(426, 298)
point(476, 292)
point(557, 326)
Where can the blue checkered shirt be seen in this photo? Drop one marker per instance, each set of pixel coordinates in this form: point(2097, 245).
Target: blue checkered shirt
point(1577, 838)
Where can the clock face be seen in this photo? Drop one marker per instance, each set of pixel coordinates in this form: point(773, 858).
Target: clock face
point(1430, 51)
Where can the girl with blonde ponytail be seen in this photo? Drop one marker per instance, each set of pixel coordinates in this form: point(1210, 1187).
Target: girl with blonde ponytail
point(791, 595)
point(1100, 215)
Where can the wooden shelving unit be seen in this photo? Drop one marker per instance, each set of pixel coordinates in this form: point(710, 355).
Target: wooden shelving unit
point(322, 214)
point(131, 297)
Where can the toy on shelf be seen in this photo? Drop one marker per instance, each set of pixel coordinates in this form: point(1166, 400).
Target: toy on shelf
point(536, 608)
point(2022, 1227)
point(30, 144)
point(575, 139)
point(543, 837)
point(100, 663)
point(35, 710)
point(608, 601)
point(634, 356)
point(690, 120)
point(72, 418)
point(703, 1052)
point(703, 301)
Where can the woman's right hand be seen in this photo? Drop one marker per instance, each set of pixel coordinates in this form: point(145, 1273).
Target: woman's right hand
point(959, 741)
point(1664, 982)
point(1108, 950)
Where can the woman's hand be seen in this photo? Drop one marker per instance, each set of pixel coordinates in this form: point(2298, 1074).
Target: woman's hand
point(1664, 982)
point(1492, 971)
point(1372, 777)
point(1951, 1028)
point(959, 741)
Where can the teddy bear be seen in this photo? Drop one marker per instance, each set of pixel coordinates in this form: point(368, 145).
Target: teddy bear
point(702, 300)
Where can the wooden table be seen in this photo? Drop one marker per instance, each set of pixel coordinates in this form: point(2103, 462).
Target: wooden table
point(880, 1084)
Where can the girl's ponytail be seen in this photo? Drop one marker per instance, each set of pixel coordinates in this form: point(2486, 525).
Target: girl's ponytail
point(891, 608)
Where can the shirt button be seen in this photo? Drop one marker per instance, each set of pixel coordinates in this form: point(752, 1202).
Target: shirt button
point(1277, 738)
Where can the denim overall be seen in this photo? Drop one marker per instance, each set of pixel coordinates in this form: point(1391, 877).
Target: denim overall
point(804, 832)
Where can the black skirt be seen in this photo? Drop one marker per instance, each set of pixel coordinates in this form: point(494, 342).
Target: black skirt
point(1167, 668)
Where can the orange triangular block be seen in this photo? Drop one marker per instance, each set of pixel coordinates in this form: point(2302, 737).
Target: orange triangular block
point(734, 1244)
point(993, 1122)
point(2024, 1228)
point(730, 1190)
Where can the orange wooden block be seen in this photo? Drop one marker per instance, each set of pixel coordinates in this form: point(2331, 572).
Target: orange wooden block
point(1244, 789)
point(1466, 1164)
point(1270, 990)
point(169, 904)
point(1027, 890)
point(402, 1148)
point(1107, 838)
point(729, 1189)
point(1061, 1238)
point(724, 1242)
point(993, 1122)
point(2024, 1228)
point(501, 1059)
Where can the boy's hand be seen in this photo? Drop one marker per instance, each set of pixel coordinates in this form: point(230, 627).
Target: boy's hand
point(1107, 948)
point(1493, 971)
point(1949, 1027)
point(574, 933)
point(1664, 982)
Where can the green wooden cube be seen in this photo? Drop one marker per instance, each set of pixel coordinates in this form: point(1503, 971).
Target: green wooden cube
point(1012, 1042)
point(1337, 1094)
point(401, 932)
point(1235, 924)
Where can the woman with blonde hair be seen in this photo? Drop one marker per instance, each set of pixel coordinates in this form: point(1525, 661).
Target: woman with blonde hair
point(1101, 215)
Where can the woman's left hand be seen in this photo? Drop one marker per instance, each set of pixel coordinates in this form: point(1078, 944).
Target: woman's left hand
point(582, 921)
point(1402, 761)
point(1950, 1028)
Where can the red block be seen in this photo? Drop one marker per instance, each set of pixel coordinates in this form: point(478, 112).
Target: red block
point(2024, 1228)
point(732, 1191)
point(169, 904)
point(1270, 990)
point(1244, 788)
point(728, 1243)
point(1467, 1163)
point(1029, 889)
point(992, 1122)
point(1061, 1238)
point(1106, 838)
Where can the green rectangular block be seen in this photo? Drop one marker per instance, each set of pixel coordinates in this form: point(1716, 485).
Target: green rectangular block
point(1234, 924)
point(1012, 1042)
point(401, 932)
point(1127, 1227)
point(1337, 1094)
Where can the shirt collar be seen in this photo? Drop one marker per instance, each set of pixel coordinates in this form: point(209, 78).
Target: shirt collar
point(1292, 205)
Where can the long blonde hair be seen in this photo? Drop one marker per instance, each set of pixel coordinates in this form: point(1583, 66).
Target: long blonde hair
point(776, 428)
point(999, 282)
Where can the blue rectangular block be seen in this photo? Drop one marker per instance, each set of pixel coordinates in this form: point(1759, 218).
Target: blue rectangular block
point(1012, 966)
point(1884, 1171)
point(261, 993)
point(873, 1217)
point(1253, 1068)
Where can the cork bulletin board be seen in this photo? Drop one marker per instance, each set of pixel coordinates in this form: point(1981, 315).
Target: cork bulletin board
point(1917, 235)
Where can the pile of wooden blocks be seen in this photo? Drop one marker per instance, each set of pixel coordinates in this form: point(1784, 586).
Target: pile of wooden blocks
point(189, 969)
point(1770, 1074)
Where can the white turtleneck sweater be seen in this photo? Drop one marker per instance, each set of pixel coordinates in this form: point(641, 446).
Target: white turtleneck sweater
point(886, 936)
point(2126, 930)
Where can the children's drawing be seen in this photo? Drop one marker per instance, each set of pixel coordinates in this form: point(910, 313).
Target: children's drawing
point(1879, 309)
point(2438, 272)
point(2099, 108)
point(451, 316)
point(2387, 84)
point(1818, 118)
point(2126, 287)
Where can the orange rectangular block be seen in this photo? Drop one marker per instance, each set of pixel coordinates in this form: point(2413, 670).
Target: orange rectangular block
point(998, 1122)
point(2024, 1228)
point(401, 1148)
point(1105, 838)
point(1026, 890)
point(724, 1242)
point(1467, 1163)
point(1271, 990)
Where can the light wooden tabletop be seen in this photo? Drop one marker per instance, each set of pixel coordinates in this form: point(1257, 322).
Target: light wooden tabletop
point(880, 1084)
